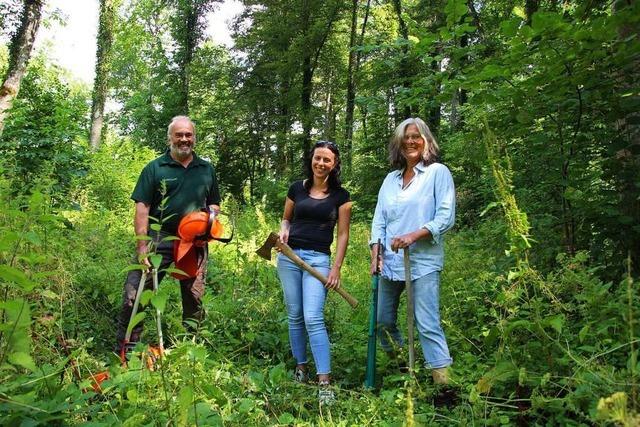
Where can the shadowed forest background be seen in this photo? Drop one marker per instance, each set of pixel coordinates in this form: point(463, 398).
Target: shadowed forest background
point(535, 105)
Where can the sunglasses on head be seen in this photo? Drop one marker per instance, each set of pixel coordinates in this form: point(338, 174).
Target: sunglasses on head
point(326, 144)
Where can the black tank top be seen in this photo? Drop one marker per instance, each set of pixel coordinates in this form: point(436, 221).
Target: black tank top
point(314, 219)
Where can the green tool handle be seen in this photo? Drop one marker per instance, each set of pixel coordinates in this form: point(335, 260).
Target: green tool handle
point(370, 377)
point(410, 303)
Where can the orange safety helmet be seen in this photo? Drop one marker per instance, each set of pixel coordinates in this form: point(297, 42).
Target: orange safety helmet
point(194, 227)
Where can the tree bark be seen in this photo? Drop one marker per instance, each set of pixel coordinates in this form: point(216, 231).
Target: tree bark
point(308, 68)
point(103, 65)
point(20, 52)
point(404, 72)
point(354, 65)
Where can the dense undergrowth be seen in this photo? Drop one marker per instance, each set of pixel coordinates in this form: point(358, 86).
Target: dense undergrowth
point(558, 348)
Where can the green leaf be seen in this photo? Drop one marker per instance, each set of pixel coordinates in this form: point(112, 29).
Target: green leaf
point(246, 405)
point(198, 353)
point(519, 12)
point(18, 325)
point(583, 332)
point(49, 294)
point(133, 267)
point(155, 227)
point(175, 270)
point(146, 297)
point(136, 319)
point(159, 301)
point(489, 207)
point(13, 275)
point(185, 398)
point(132, 395)
point(143, 237)
point(23, 359)
point(286, 418)
point(169, 238)
point(155, 260)
point(555, 322)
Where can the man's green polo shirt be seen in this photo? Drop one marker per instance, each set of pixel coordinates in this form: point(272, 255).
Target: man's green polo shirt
point(187, 189)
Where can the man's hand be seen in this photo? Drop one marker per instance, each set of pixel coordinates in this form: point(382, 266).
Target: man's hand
point(142, 249)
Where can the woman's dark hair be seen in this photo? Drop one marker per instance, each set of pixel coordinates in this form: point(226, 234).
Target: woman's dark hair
point(334, 176)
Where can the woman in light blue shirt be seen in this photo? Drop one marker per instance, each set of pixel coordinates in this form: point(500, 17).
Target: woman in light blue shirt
point(416, 206)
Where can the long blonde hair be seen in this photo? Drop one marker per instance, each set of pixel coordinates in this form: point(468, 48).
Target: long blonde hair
point(430, 152)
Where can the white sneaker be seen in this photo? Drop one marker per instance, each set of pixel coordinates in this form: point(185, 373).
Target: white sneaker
point(326, 396)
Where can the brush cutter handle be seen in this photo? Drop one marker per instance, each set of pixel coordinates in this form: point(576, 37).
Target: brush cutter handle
point(288, 252)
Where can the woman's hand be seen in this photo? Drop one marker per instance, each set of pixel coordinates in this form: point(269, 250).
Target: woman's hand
point(403, 241)
point(333, 280)
point(284, 234)
point(284, 231)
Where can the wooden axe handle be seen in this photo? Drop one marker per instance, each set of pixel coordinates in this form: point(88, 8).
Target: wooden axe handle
point(285, 249)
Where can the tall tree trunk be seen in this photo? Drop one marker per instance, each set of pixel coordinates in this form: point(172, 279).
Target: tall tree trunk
point(354, 65)
point(20, 52)
point(404, 71)
point(103, 65)
point(309, 64)
point(626, 163)
point(307, 77)
point(530, 7)
point(351, 87)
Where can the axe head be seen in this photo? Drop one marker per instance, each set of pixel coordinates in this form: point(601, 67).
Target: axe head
point(265, 250)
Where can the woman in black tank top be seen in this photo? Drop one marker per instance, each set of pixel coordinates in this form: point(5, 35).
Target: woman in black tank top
point(312, 209)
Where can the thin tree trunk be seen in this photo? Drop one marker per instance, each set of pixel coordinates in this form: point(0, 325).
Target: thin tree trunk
point(20, 52)
point(354, 65)
point(404, 62)
point(530, 7)
point(103, 64)
point(351, 87)
point(308, 68)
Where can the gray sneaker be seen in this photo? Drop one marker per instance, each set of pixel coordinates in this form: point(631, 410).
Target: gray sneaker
point(300, 376)
point(326, 396)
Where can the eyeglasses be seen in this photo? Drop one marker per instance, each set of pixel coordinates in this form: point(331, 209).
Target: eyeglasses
point(413, 137)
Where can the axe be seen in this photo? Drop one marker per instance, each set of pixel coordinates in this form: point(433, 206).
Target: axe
point(274, 241)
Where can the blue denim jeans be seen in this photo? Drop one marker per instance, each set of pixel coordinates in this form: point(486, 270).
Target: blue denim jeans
point(304, 297)
point(426, 293)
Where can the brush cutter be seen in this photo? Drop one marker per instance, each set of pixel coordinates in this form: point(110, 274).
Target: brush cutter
point(370, 377)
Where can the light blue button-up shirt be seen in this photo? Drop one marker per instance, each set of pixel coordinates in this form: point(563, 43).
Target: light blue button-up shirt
point(429, 201)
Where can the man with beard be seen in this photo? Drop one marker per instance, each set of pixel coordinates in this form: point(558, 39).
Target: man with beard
point(187, 183)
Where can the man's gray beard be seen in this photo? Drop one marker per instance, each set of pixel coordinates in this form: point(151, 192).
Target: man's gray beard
point(178, 155)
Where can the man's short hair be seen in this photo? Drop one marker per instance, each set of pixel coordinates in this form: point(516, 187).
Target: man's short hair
point(178, 119)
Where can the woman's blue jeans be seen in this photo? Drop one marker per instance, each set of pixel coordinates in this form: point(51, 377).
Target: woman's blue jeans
point(426, 294)
point(304, 297)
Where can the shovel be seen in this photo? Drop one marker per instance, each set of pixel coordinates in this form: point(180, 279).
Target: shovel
point(370, 377)
point(410, 319)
